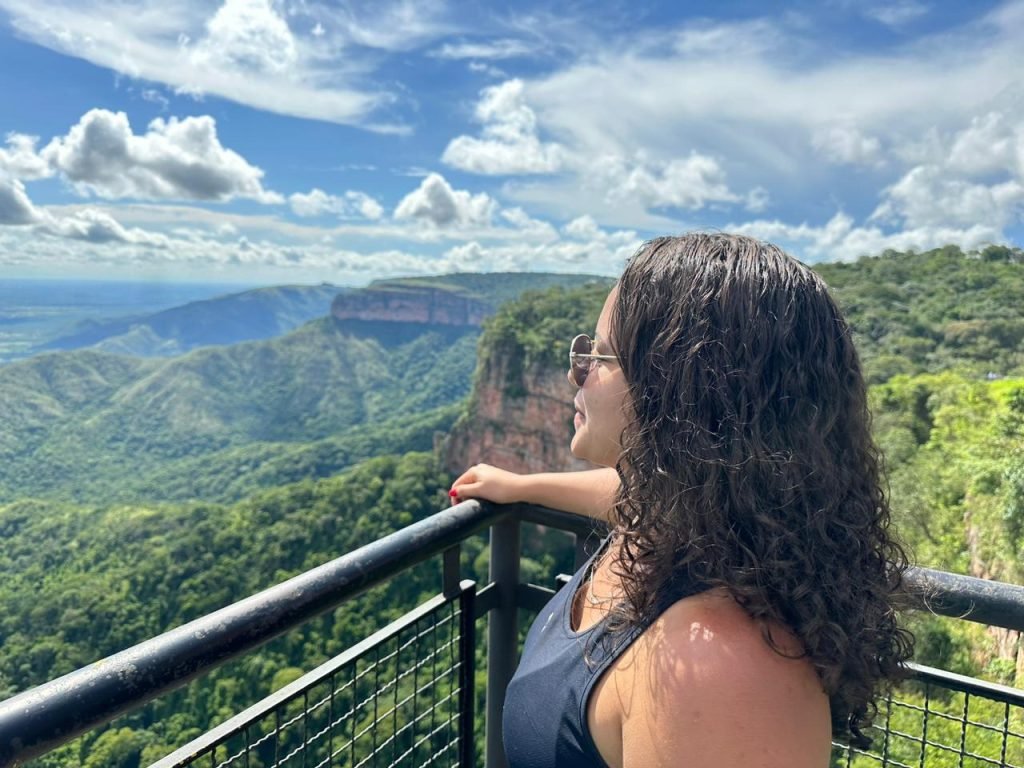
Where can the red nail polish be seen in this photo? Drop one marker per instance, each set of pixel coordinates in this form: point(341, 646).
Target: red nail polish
point(453, 493)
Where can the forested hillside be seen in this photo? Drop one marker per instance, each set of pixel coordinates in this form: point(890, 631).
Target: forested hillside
point(79, 424)
point(222, 421)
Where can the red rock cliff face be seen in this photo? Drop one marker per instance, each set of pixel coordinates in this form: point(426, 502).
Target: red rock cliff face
point(424, 305)
point(521, 421)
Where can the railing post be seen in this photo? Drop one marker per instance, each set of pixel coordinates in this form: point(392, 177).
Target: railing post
point(467, 676)
point(502, 631)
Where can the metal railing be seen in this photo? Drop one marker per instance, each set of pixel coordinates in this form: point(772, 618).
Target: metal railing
point(406, 695)
point(401, 697)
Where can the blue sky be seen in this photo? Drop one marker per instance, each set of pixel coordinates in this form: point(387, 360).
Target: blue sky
point(265, 141)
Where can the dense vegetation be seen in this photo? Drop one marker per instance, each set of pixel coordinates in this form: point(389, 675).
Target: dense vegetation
point(225, 425)
point(927, 312)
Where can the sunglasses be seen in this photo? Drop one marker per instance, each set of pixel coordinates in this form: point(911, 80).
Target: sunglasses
point(582, 357)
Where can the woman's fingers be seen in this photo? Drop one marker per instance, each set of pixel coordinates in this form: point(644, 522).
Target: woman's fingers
point(467, 491)
point(483, 482)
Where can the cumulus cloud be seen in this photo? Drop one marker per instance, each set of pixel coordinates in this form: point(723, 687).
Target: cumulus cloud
point(95, 226)
point(927, 197)
point(317, 203)
point(974, 179)
point(966, 189)
point(15, 207)
point(992, 143)
point(437, 204)
point(88, 224)
point(508, 143)
point(21, 161)
point(174, 159)
point(690, 182)
point(248, 35)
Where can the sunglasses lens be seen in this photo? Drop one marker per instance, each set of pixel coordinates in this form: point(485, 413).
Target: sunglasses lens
point(581, 345)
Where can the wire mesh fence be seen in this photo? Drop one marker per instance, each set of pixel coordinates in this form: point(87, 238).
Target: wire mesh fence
point(396, 700)
point(940, 720)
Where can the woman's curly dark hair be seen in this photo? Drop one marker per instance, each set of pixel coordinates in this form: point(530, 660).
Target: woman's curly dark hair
point(749, 463)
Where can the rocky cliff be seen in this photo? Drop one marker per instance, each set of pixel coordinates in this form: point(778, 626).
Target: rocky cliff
point(518, 419)
point(427, 305)
point(520, 413)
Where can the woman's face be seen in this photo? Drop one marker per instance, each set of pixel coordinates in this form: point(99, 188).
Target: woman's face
point(602, 401)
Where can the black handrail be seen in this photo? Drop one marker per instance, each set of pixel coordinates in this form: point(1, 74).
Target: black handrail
point(995, 603)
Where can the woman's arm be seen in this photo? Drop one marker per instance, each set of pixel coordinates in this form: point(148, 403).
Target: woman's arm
point(590, 492)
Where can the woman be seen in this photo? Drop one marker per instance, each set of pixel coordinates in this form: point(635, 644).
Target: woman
point(740, 613)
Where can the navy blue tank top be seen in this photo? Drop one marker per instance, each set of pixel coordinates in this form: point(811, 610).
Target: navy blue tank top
point(544, 722)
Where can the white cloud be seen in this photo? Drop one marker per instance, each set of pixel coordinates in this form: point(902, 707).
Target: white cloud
point(15, 207)
point(992, 143)
point(585, 228)
point(975, 179)
point(895, 13)
point(366, 205)
point(174, 159)
point(95, 226)
point(88, 224)
point(926, 196)
point(483, 68)
point(387, 25)
point(437, 204)
point(509, 143)
point(317, 202)
point(154, 96)
point(493, 49)
point(701, 38)
point(21, 161)
point(247, 35)
point(691, 182)
point(848, 146)
point(535, 229)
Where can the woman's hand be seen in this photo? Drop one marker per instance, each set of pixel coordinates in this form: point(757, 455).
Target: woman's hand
point(483, 481)
point(590, 492)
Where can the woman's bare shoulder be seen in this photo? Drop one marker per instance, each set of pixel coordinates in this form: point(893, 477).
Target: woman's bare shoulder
point(706, 684)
